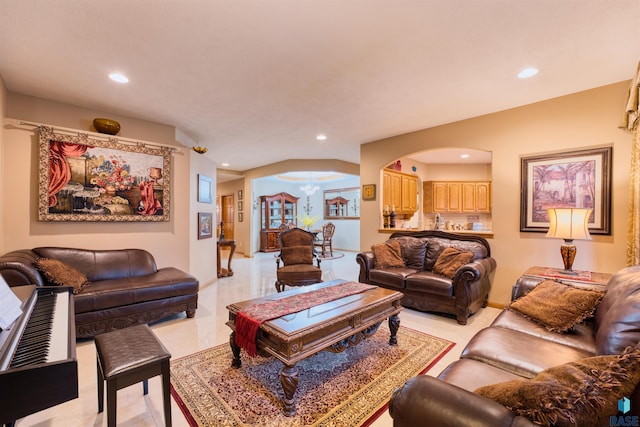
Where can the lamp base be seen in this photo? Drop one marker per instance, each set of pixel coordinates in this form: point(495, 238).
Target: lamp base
point(568, 252)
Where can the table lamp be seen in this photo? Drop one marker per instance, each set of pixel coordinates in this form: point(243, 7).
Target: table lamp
point(569, 224)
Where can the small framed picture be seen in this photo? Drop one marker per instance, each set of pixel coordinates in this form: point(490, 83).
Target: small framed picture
point(239, 216)
point(369, 192)
point(205, 225)
point(240, 205)
point(239, 194)
point(205, 189)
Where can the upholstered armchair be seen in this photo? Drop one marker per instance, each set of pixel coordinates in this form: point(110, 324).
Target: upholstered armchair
point(295, 263)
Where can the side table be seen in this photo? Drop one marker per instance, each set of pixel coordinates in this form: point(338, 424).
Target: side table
point(226, 272)
point(581, 278)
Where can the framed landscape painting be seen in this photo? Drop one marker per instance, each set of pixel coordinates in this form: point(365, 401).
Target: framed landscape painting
point(81, 178)
point(572, 179)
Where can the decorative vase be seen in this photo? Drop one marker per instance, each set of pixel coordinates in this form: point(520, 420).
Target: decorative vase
point(108, 126)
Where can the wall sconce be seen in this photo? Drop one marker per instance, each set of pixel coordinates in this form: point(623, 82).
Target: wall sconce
point(569, 224)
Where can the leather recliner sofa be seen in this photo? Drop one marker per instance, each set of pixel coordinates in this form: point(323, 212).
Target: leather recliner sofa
point(425, 290)
point(514, 347)
point(125, 286)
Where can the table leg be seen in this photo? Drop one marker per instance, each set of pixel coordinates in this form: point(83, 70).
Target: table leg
point(236, 362)
point(289, 381)
point(394, 325)
point(233, 249)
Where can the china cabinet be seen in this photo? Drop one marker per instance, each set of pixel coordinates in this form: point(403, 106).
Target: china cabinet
point(337, 207)
point(275, 210)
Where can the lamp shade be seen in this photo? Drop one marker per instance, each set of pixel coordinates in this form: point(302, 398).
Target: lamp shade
point(569, 223)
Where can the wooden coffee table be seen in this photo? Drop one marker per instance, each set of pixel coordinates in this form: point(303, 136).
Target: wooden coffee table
point(332, 326)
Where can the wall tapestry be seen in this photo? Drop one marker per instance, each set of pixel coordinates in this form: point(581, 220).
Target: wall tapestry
point(571, 179)
point(87, 179)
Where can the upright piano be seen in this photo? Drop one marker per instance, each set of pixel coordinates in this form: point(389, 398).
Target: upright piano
point(38, 364)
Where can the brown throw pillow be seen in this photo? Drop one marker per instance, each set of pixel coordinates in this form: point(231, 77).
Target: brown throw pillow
point(450, 260)
point(297, 255)
point(581, 393)
point(388, 255)
point(61, 274)
point(556, 306)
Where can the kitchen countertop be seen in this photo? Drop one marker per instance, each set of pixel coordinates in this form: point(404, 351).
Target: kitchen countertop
point(481, 233)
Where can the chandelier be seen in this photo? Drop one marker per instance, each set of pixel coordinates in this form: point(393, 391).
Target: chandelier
point(309, 189)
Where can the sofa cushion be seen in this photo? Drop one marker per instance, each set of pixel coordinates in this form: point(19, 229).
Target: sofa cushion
point(436, 245)
point(557, 306)
point(390, 277)
point(582, 393)
point(61, 274)
point(388, 255)
point(413, 250)
point(450, 260)
point(428, 282)
point(297, 255)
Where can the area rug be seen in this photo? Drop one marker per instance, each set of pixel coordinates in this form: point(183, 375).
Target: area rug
point(351, 388)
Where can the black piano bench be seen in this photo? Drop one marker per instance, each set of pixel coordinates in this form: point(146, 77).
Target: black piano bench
point(128, 356)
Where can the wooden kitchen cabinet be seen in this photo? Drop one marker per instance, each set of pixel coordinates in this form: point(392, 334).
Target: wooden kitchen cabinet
point(457, 197)
point(400, 190)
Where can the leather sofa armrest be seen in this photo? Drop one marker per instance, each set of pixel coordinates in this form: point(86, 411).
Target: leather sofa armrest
point(428, 401)
point(366, 262)
point(17, 268)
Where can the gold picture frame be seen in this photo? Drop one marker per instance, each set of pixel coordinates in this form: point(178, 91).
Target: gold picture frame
point(368, 192)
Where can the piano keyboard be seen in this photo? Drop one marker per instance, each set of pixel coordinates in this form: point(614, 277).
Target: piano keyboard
point(45, 338)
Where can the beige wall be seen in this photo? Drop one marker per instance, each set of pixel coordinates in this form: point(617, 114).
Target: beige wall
point(172, 243)
point(585, 119)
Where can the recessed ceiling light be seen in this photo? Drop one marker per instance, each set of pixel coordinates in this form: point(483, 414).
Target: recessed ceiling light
point(120, 78)
point(321, 137)
point(528, 72)
point(464, 156)
point(225, 164)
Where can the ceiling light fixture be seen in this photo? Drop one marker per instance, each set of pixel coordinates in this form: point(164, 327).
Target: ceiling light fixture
point(321, 137)
point(225, 164)
point(118, 77)
point(528, 72)
point(464, 156)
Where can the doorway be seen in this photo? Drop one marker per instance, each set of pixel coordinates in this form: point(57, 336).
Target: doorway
point(227, 215)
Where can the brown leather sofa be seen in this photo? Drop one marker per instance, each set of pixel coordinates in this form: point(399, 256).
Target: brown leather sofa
point(425, 290)
point(125, 286)
point(514, 347)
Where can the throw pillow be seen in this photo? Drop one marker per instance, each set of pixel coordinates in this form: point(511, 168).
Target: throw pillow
point(581, 393)
point(388, 255)
point(413, 251)
point(556, 306)
point(297, 255)
point(450, 260)
point(58, 273)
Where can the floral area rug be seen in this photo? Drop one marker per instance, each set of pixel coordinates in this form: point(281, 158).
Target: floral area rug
point(348, 389)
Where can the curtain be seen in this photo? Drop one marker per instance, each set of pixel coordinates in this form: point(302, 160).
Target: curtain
point(59, 169)
point(629, 122)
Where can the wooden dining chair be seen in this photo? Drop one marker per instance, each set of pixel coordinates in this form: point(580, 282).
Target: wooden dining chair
point(297, 258)
point(327, 237)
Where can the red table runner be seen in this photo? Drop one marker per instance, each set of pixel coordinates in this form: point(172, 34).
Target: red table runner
point(248, 320)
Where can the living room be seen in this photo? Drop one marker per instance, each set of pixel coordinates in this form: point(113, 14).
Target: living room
point(574, 119)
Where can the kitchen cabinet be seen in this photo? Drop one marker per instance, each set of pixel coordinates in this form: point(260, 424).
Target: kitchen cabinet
point(401, 191)
point(457, 197)
point(275, 210)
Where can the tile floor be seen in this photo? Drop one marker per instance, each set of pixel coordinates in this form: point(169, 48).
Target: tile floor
point(253, 277)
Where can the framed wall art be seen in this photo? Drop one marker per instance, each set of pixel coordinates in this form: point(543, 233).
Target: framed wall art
point(239, 194)
point(369, 192)
point(81, 178)
point(240, 205)
point(205, 189)
point(240, 217)
point(571, 179)
point(205, 225)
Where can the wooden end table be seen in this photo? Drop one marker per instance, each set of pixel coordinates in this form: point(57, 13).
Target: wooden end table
point(226, 272)
point(332, 326)
point(581, 278)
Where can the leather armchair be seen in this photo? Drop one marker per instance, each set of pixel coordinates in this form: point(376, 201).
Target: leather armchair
point(297, 256)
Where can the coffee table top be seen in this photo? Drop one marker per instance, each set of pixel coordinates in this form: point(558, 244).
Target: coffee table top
point(301, 322)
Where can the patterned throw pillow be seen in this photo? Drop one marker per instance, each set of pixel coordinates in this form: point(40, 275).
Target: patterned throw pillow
point(582, 393)
point(388, 255)
point(450, 260)
point(556, 306)
point(61, 274)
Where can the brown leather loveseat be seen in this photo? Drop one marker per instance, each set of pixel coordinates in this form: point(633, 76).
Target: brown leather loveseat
point(124, 288)
point(462, 293)
point(549, 377)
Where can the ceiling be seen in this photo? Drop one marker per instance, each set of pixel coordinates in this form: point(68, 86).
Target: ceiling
point(256, 80)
